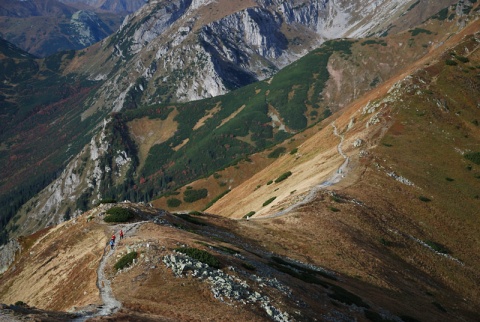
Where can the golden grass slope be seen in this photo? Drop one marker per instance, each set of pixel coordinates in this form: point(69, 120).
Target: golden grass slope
point(58, 267)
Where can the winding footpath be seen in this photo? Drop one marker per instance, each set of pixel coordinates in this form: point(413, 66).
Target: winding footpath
point(335, 178)
point(110, 304)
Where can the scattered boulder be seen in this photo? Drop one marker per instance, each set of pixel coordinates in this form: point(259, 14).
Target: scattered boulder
point(357, 143)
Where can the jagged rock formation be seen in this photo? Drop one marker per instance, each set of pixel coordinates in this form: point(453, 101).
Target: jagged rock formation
point(225, 287)
point(231, 50)
point(179, 50)
point(8, 253)
point(95, 167)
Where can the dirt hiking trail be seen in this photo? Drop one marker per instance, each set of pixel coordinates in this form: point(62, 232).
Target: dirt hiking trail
point(336, 177)
point(110, 304)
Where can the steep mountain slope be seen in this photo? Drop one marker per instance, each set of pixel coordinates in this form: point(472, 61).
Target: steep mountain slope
point(44, 28)
point(370, 214)
point(409, 202)
point(188, 50)
point(255, 281)
point(117, 161)
point(37, 104)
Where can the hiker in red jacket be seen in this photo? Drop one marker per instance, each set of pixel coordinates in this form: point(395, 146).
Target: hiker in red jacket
point(121, 234)
point(113, 237)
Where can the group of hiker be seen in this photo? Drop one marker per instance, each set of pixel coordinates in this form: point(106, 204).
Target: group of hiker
point(112, 240)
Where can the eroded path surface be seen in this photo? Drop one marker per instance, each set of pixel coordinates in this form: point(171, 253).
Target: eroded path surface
point(335, 178)
point(110, 304)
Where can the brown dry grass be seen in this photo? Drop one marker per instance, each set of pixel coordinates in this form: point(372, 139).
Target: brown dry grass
point(59, 269)
point(148, 132)
point(151, 288)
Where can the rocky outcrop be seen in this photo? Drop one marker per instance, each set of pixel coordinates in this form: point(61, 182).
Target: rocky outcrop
point(177, 58)
point(226, 287)
point(79, 185)
point(88, 28)
point(7, 254)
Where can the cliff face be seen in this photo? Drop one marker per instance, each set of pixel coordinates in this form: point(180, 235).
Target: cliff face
point(8, 253)
point(98, 165)
point(186, 50)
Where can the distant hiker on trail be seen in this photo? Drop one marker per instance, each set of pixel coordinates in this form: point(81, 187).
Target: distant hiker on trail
point(121, 234)
point(113, 237)
point(112, 243)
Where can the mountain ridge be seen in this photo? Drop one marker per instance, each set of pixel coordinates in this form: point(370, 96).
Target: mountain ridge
point(394, 239)
point(84, 192)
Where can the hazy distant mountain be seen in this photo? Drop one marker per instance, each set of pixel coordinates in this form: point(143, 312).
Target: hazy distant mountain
point(46, 27)
point(118, 6)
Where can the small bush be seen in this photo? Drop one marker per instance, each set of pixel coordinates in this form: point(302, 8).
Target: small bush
point(269, 201)
point(118, 214)
point(441, 15)
point(424, 199)
point(462, 59)
point(451, 62)
point(418, 31)
point(473, 157)
point(336, 198)
point(269, 182)
point(200, 255)
point(294, 151)
point(250, 214)
point(20, 303)
point(334, 209)
point(374, 42)
point(283, 176)
point(449, 179)
point(169, 193)
point(248, 266)
point(192, 195)
point(173, 202)
point(385, 242)
point(437, 247)
point(214, 200)
point(125, 261)
point(277, 152)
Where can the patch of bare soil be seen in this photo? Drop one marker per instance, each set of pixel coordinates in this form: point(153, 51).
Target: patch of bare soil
point(209, 114)
point(148, 132)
